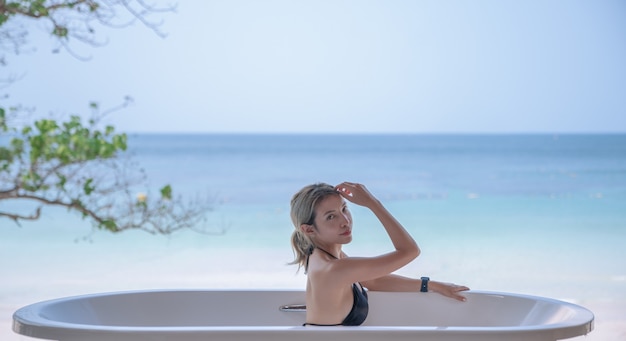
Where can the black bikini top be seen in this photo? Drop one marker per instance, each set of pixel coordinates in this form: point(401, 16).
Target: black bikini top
point(360, 306)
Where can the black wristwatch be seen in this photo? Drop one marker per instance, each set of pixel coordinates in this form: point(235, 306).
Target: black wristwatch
point(424, 287)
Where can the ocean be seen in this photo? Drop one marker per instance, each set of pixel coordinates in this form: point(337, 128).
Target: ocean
point(537, 214)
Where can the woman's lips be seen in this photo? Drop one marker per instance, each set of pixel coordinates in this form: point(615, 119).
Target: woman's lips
point(347, 233)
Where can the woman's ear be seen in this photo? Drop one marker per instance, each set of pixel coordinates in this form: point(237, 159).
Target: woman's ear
point(307, 229)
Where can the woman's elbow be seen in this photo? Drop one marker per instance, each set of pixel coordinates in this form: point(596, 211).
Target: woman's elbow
point(416, 252)
point(412, 253)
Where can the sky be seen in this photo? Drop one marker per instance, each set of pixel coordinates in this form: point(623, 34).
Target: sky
point(351, 66)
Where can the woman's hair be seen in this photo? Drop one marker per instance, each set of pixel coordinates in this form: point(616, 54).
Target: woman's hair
point(303, 206)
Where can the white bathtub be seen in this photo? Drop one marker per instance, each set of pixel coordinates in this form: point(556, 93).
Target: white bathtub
point(190, 315)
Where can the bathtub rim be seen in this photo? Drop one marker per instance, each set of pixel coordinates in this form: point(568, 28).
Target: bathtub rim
point(28, 322)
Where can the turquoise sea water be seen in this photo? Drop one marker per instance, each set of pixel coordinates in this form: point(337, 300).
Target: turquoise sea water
point(451, 188)
point(539, 214)
point(398, 166)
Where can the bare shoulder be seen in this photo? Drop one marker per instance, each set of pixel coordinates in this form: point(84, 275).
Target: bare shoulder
point(328, 271)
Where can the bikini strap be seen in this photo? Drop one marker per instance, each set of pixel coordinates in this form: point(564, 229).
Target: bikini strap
point(328, 253)
point(306, 266)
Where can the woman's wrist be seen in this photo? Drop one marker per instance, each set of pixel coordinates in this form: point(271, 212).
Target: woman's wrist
point(374, 204)
point(434, 286)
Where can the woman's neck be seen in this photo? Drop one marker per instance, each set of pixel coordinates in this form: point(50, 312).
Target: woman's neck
point(333, 250)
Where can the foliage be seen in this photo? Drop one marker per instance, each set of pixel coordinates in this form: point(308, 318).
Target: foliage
point(77, 20)
point(81, 166)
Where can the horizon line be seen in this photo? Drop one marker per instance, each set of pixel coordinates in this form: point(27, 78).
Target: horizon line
point(363, 133)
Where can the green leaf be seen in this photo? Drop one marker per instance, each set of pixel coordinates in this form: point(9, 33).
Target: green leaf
point(3, 119)
point(62, 181)
point(109, 224)
point(88, 188)
point(18, 146)
point(119, 141)
point(3, 18)
point(166, 192)
point(60, 31)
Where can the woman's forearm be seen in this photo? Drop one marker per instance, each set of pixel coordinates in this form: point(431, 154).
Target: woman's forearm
point(397, 283)
point(393, 282)
point(401, 239)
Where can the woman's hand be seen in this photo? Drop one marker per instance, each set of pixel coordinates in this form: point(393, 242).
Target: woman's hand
point(356, 194)
point(448, 290)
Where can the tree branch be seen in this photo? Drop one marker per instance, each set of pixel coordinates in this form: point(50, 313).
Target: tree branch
point(17, 217)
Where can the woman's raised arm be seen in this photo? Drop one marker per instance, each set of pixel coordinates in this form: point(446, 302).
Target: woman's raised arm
point(406, 249)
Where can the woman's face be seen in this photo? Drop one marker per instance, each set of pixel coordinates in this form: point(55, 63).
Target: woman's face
point(333, 220)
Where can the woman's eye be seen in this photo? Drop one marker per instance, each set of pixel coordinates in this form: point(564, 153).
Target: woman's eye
point(331, 216)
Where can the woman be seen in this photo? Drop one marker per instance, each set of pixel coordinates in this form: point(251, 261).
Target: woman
point(335, 293)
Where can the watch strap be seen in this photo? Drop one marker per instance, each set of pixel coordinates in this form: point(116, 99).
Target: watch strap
point(424, 286)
